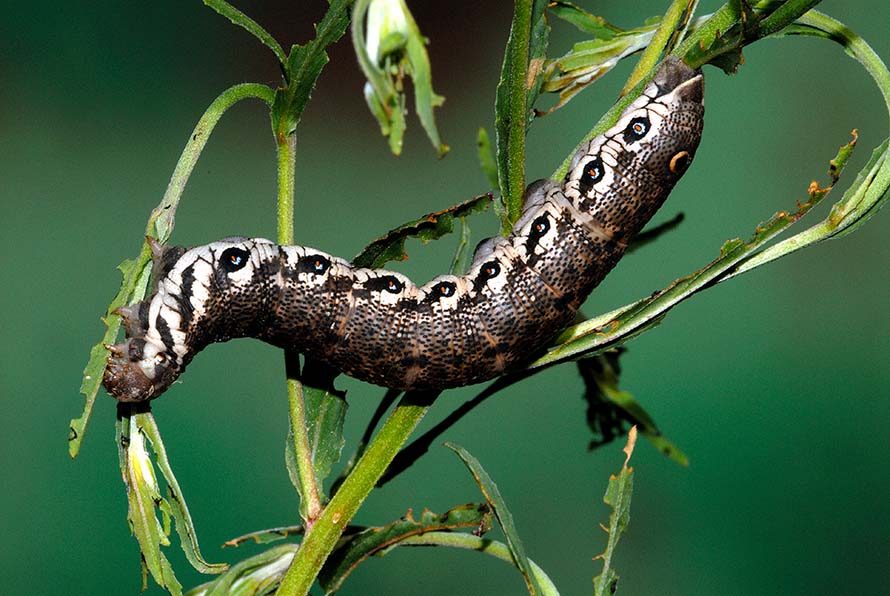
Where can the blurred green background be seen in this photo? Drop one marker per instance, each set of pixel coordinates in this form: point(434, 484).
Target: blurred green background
point(775, 384)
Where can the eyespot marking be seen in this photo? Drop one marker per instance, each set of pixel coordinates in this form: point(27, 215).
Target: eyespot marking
point(539, 228)
point(637, 129)
point(444, 289)
point(490, 270)
point(316, 264)
point(385, 283)
point(233, 259)
point(594, 170)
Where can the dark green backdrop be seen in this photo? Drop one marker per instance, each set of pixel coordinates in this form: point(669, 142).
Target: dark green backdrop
point(775, 384)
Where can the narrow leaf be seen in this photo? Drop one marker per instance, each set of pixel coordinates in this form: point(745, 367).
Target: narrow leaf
point(242, 20)
point(142, 497)
point(486, 159)
point(502, 513)
point(618, 496)
point(303, 67)
point(391, 247)
point(518, 87)
point(266, 536)
point(372, 541)
point(176, 501)
point(487, 546)
point(583, 20)
point(325, 415)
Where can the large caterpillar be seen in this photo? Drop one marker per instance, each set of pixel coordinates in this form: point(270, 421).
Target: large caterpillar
point(376, 325)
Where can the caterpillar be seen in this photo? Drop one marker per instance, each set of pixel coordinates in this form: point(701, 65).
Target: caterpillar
point(378, 326)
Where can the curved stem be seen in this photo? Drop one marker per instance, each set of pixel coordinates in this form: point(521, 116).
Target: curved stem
point(161, 221)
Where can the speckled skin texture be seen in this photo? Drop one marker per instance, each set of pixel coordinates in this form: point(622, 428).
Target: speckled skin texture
point(377, 325)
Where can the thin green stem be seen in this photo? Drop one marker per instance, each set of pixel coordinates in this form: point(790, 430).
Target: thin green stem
point(784, 16)
point(162, 216)
point(323, 537)
point(310, 507)
point(652, 54)
point(287, 147)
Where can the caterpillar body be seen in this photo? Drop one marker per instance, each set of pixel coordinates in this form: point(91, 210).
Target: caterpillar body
point(377, 325)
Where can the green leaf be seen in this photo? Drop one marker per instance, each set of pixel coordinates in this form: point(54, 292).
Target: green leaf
point(583, 20)
point(325, 415)
point(610, 409)
point(618, 496)
point(142, 497)
point(372, 541)
point(391, 247)
point(462, 251)
point(303, 67)
point(486, 159)
point(518, 87)
point(502, 513)
point(136, 274)
point(255, 576)
point(175, 501)
point(242, 20)
point(266, 536)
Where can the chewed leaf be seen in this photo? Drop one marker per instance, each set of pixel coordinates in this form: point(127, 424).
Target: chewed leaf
point(391, 247)
point(502, 513)
point(175, 501)
point(143, 497)
point(486, 159)
point(371, 541)
point(136, 274)
point(611, 410)
point(618, 496)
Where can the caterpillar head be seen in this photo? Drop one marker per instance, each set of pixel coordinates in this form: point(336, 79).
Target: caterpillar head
point(191, 290)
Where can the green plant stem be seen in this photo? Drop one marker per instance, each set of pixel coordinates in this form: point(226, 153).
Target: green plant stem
point(162, 216)
point(287, 148)
point(326, 531)
point(652, 54)
point(309, 493)
point(784, 16)
point(513, 186)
